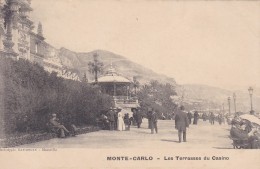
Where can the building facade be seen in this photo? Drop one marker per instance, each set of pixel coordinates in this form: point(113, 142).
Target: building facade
point(18, 41)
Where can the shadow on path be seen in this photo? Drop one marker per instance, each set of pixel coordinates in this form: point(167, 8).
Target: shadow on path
point(170, 140)
point(222, 147)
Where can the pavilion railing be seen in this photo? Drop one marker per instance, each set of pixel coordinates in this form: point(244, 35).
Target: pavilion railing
point(125, 99)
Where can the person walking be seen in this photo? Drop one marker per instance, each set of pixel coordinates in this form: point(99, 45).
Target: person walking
point(212, 118)
point(204, 116)
point(196, 118)
point(154, 122)
point(181, 123)
point(149, 116)
point(134, 110)
point(139, 118)
point(220, 117)
point(116, 117)
point(189, 117)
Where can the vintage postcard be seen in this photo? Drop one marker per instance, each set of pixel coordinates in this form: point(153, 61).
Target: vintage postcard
point(129, 84)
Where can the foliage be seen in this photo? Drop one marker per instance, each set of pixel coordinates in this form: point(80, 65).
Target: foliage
point(157, 96)
point(32, 95)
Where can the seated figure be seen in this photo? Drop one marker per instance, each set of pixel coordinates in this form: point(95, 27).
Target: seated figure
point(241, 134)
point(61, 128)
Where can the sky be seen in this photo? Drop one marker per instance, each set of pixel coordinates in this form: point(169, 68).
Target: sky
point(213, 43)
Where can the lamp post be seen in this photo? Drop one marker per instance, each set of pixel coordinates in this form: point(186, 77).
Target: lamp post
point(250, 90)
point(229, 105)
point(234, 97)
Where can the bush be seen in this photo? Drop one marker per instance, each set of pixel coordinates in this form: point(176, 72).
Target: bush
point(32, 95)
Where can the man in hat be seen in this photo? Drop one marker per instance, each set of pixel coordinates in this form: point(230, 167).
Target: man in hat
point(189, 117)
point(139, 118)
point(57, 125)
point(149, 116)
point(153, 121)
point(111, 118)
point(196, 118)
point(116, 111)
point(181, 123)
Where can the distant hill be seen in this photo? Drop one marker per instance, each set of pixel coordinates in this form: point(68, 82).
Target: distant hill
point(129, 69)
point(123, 66)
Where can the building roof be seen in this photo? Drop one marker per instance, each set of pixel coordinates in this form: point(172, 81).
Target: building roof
point(107, 79)
point(112, 77)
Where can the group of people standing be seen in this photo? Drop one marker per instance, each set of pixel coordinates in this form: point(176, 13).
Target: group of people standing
point(117, 119)
point(195, 118)
point(212, 117)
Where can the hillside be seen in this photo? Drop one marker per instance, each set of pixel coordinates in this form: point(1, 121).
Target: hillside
point(123, 66)
point(192, 92)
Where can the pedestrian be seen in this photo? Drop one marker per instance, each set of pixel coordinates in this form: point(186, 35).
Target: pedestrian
point(134, 116)
point(189, 117)
point(127, 121)
point(196, 118)
point(139, 118)
point(149, 116)
point(204, 116)
point(111, 118)
point(115, 117)
point(220, 119)
point(181, 123)
point(154, 122)
point(212, 118)
point(120, 121)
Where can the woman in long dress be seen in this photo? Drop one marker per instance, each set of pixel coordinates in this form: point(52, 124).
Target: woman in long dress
point(120, 122)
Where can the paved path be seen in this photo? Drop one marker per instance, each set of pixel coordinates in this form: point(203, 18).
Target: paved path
point(199, 136)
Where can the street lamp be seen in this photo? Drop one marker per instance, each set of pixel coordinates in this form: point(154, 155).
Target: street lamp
point(234, 97)
point(250, 90)
point(229, 105)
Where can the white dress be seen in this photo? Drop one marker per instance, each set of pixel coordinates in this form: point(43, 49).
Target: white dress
point(120, 122)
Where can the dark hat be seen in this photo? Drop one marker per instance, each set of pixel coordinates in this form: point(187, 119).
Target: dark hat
point(182, 107)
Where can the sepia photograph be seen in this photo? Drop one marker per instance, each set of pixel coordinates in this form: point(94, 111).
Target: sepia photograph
point(129, 84)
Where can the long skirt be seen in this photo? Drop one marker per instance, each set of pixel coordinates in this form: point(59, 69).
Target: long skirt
point(120, 124)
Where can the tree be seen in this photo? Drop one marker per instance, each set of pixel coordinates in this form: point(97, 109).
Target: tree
point(95, 67)
point(157, 96)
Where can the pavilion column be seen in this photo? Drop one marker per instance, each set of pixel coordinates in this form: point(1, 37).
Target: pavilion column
point(114, 89)
point(127, 92)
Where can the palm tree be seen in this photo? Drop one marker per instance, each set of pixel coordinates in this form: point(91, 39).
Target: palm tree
point(84, 78)
point(95, 67)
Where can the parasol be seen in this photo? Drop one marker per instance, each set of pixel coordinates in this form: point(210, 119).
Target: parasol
point(250, 118)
